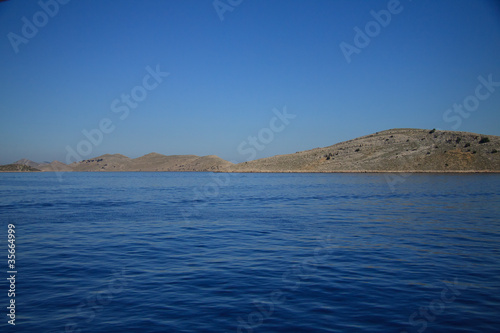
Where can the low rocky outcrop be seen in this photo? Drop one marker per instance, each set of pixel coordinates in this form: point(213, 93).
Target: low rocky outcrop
point(17, 168)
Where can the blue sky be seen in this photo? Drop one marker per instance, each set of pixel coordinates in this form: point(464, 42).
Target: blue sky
point(227, 76)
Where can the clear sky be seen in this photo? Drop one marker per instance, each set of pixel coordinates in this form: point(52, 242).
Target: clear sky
point(343, 68)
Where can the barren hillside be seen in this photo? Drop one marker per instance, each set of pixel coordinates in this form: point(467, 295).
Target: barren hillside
point(391, 150)
point(152, 162)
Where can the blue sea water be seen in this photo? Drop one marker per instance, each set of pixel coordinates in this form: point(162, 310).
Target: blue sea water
point(203, 252)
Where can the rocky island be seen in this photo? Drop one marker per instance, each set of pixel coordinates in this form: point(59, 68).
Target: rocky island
point(394, 150)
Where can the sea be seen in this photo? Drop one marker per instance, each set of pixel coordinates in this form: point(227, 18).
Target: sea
point(249, 252)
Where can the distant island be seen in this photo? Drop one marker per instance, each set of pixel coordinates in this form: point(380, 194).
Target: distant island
point(395, 150)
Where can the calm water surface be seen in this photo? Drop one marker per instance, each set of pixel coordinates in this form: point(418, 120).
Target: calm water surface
point(202, 252)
